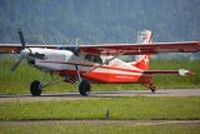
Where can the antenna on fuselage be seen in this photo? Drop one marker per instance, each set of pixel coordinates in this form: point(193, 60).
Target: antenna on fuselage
point(44, 42)
point(77, 43)
point(76, 46)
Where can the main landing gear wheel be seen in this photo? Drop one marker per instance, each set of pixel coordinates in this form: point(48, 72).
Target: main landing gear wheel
point(36, 88)
point(84, 88)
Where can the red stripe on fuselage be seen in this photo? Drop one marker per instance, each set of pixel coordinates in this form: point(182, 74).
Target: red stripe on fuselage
point(102, 77)
point(93, 65)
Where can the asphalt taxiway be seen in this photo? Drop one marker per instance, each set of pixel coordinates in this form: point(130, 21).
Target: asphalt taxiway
point(130, 123)
point(101, 95)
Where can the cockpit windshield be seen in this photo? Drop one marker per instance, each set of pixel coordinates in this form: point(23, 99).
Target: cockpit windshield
point(93, 58)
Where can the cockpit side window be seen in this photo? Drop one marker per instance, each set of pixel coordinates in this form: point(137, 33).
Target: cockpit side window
point(127, 58)
point(93, 58)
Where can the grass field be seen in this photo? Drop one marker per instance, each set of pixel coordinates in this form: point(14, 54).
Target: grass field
point(18, 82)
point(110, 128)
point(135, 108)
point(126, 109)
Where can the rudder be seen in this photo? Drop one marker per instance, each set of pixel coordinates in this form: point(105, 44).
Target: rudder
point(143, 61)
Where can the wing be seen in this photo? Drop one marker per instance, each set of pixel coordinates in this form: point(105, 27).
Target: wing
point(10, 48)
point(115, 49)
point(140, 49)
point(16, 48)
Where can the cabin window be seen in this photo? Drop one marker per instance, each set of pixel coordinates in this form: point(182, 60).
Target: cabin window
point(93, 58)
point(127, 58)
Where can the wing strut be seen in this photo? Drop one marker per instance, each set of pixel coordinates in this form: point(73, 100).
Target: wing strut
point(78, 72)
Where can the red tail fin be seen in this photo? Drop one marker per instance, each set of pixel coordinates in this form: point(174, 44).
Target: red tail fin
point(143, 61)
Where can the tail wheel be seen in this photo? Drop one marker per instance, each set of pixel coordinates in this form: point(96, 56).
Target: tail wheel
point(84, 88)
point(36, 88)
point(153, 89)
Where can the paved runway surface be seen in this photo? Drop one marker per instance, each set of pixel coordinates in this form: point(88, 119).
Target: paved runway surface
point(101, 95)
point(101, 122)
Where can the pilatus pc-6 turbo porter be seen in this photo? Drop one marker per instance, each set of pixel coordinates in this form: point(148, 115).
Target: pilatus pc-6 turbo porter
point(99, 63)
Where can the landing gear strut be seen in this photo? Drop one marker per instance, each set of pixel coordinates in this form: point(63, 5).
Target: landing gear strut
point(84, 88)
point(152, 88)
point(36, 88)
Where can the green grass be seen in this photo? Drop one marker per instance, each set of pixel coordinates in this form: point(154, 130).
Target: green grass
point(137, 108)
point(19, 81)
point(177, 81)
point(83, 128)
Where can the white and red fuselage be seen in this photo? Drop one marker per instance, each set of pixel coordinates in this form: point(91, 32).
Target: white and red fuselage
point(91, 67)
point(99, 69)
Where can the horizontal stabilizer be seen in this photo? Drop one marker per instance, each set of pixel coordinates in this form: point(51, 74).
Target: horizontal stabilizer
point(180, 72)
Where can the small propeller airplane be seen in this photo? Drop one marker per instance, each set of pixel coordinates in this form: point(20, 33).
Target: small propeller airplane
point(99, 63)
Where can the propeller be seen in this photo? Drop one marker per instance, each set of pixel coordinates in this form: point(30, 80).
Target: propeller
point(22, 53)
point(25, 52)
point(14, 67)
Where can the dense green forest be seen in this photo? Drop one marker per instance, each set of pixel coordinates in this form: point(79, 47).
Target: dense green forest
point(94, 21)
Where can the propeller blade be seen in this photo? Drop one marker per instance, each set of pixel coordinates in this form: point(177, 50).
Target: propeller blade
point(21, 36)
point(14, 67)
